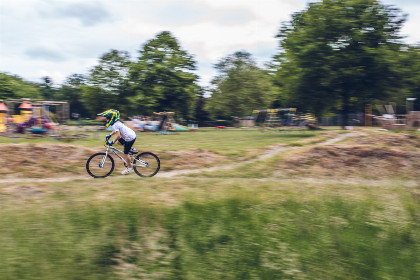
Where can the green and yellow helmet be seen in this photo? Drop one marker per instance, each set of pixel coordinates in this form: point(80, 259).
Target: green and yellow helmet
point(111, 115)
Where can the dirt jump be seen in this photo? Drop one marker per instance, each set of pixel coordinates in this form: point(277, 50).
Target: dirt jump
point(346, 154)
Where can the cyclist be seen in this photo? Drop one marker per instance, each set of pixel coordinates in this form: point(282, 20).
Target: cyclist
point(124, 135)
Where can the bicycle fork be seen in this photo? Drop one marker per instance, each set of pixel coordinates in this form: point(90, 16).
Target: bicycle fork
point(104, 158)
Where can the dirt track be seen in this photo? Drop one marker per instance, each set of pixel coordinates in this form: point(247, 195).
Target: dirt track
point(320, 160)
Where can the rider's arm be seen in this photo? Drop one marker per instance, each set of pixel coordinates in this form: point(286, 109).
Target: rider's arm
point(109, 135)
point(116, 137)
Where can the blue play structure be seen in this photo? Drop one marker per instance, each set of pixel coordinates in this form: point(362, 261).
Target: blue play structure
point(162, 123)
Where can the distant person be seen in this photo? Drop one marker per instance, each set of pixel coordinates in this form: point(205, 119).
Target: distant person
point(124, 135)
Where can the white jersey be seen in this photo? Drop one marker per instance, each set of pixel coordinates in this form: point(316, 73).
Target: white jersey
point(126, 133)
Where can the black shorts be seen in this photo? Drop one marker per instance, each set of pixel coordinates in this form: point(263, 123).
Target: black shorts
point(127, 145)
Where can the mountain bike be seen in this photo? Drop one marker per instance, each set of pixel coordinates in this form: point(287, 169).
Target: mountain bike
point(101, 165)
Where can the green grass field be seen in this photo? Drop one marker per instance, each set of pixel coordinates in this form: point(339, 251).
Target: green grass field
point(247, 222)
point(229, 141)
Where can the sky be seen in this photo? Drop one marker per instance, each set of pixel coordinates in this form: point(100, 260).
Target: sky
point(58, 38)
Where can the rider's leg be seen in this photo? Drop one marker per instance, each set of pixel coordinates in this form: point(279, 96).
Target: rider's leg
point(127, 160)
point(127, 148)
point(125, 155)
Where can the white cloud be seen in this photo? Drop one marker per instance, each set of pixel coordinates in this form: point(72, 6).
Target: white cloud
point(43, 52)
point(59, 31)
point(411, 28)
point(62, 37)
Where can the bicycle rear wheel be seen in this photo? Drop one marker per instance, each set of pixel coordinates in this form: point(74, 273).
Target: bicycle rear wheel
point(146, 164)
point(99, 165)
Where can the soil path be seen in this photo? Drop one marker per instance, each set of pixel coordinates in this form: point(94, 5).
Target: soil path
point(267, 154)
point(176, 173)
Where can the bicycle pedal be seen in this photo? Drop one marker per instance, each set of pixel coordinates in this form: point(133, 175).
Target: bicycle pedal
point(133, 151)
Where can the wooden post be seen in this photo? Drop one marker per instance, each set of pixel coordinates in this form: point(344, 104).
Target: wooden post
point(368, 115)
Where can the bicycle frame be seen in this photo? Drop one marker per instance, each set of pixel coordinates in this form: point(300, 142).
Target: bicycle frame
point(116, 152)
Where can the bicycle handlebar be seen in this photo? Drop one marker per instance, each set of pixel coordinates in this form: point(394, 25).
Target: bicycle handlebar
point(108, 143)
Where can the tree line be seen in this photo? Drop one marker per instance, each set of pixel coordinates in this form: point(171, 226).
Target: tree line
point(335, 56)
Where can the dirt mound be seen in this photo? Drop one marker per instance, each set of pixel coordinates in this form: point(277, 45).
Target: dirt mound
point(192, 158)
point(42, 160)
point(365, 161)
point(60, 160)
point(390, 140)
point(384, 155)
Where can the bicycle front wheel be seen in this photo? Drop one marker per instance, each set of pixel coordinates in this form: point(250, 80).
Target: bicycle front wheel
point(146, 164)
point(100, 165)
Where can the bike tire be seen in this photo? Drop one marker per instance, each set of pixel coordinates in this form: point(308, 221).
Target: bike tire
point(153, 164)
point(93, 168)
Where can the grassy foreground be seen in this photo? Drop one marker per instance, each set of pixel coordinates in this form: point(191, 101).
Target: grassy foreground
point(239, 227)
point(209, 229)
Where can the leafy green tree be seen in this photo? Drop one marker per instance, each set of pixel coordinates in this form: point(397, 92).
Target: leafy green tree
point(112, 71)
point(163, 78)
point(339, 53)
point(97, 100)
point(72, 92)
point(107, 83)
point(200, 113)
point(49, 92)
point(240, 87)
point(14, 87)
point(410, 68)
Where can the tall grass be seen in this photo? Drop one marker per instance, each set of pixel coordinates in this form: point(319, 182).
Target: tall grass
point(243, 223)
point(232, 237)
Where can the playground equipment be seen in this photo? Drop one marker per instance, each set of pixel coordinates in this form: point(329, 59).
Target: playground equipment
point(25, 112)
point(413, 120)
point(244, 122)
point(167, 122)
point(166, 119)
point(38, 107)
point(391, 121)
point(162, 122)
point(3, 117)
point(36, 115)
point(274, 118)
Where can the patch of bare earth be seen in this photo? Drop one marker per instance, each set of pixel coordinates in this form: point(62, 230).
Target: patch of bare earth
point(368, 156)
point(63, 160)
point(191, 159)
point(397, 140)
point(351, 161)
point(41, 160)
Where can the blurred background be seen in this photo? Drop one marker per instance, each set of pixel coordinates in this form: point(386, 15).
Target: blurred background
point(288, 134)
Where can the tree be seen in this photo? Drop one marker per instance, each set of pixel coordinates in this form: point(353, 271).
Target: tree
point(107, 83)
point(13, 87)
point(112, 71)
point(72, 92)
point(410, 67)
point(47, 88)
point(163, 78)
point(339, 53)
point(240, 87)
point(200, 113)
point(97, 100)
